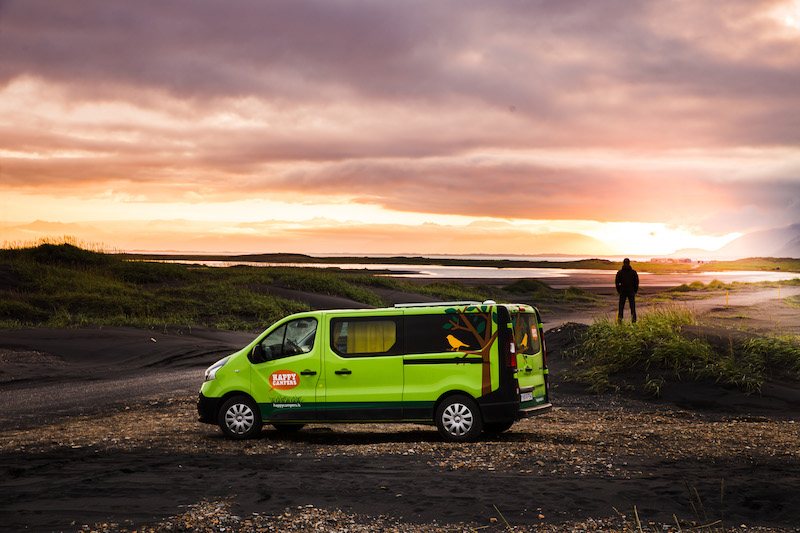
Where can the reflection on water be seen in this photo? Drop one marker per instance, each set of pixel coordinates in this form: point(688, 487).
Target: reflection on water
point(555, 277)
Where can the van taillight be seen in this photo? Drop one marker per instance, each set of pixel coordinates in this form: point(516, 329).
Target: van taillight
point(511, 356)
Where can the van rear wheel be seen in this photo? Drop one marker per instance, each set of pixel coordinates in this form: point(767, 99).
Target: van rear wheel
point(459, 419)
point(239, 418)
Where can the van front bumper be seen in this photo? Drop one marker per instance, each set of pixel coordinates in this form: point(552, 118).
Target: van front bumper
point(207, 409)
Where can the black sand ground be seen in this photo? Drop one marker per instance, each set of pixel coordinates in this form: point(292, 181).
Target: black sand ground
point(50, 491)
point(51, 375)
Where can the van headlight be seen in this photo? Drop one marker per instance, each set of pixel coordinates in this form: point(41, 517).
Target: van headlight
point(211, 372)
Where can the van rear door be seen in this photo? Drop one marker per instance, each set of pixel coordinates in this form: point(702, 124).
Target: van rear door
point(531, 364)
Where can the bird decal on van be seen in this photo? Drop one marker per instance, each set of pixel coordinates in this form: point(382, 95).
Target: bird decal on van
point(523, 345)
point(456, 344)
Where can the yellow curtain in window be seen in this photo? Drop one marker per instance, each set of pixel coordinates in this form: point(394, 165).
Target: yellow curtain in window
point(371, 337)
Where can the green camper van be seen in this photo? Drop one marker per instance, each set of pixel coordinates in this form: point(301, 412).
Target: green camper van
point(465, 367)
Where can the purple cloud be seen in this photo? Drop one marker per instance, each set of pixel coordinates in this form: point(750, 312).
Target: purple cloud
point(392, 103)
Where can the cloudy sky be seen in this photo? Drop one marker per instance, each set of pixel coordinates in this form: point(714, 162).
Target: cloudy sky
point(503, 127)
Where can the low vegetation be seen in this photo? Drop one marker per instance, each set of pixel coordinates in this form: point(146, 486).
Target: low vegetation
point(63, 285)
point(698, 290)
point(784, 264)
point(535, 290)
point(444, 291)
point(66, 286)
point(644, 356)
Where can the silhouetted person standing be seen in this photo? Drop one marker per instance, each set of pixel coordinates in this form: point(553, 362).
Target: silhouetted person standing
point(627, 283)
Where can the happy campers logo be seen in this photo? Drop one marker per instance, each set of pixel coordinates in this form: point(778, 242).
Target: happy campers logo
point(284, 380)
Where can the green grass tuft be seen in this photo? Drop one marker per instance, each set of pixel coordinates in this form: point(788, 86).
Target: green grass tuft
point(538, 291)
point(612, 354)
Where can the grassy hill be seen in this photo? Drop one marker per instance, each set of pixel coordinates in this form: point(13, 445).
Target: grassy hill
point(67, 286)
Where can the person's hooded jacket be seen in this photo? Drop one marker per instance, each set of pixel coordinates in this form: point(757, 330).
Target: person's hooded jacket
point(627, 280)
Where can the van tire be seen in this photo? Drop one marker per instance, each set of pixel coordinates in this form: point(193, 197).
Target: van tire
point(239, 418)
point(459, 419)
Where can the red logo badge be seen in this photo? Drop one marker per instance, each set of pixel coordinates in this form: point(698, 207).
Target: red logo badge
point(284, 380)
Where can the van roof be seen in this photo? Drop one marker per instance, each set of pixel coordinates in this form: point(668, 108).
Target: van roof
point(397, 308)
point(439, 304)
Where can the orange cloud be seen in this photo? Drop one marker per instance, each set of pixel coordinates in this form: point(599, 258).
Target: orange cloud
point(557, 111)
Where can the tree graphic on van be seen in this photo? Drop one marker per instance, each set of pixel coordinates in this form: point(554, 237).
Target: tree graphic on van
point(469, 333)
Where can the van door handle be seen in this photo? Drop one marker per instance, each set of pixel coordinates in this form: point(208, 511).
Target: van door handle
point(345, 371)
point(308, 373)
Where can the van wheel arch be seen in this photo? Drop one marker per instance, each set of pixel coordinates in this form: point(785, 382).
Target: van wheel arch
point(448, 394)
point(227, 396)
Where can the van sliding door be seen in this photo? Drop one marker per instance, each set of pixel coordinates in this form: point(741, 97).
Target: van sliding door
point(364, 368)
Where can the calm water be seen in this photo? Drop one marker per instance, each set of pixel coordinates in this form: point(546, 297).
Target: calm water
point(555, 277)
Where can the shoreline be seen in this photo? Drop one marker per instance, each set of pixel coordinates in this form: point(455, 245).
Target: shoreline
point(769, 264)
point(584, 275)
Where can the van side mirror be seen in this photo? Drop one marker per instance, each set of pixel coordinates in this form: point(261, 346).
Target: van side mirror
point(259, 354)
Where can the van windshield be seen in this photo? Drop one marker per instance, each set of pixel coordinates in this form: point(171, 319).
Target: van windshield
point(526, 334)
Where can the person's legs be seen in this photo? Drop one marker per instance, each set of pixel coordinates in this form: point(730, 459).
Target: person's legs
point(632, 300)
point(621, 307)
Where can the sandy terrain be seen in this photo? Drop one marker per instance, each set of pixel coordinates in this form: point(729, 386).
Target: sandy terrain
point(99, 432)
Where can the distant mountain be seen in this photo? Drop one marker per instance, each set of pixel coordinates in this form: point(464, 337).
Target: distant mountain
point(693, 253)
point(29, 233)
point(52, 228)
point(777, 242)
point(792, 249)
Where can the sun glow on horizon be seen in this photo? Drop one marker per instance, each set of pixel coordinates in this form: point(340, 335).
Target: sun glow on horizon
point(654, 239)
point(788, 14)
point(127, 222)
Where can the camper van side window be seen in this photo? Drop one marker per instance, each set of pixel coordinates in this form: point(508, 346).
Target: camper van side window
point(445, 333)
point(373, 336)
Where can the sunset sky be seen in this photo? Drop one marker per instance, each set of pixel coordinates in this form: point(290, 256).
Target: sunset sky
point(595, 127)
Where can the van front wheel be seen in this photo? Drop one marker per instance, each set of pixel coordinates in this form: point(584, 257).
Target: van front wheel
point(239, 418)
point(458, 419)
